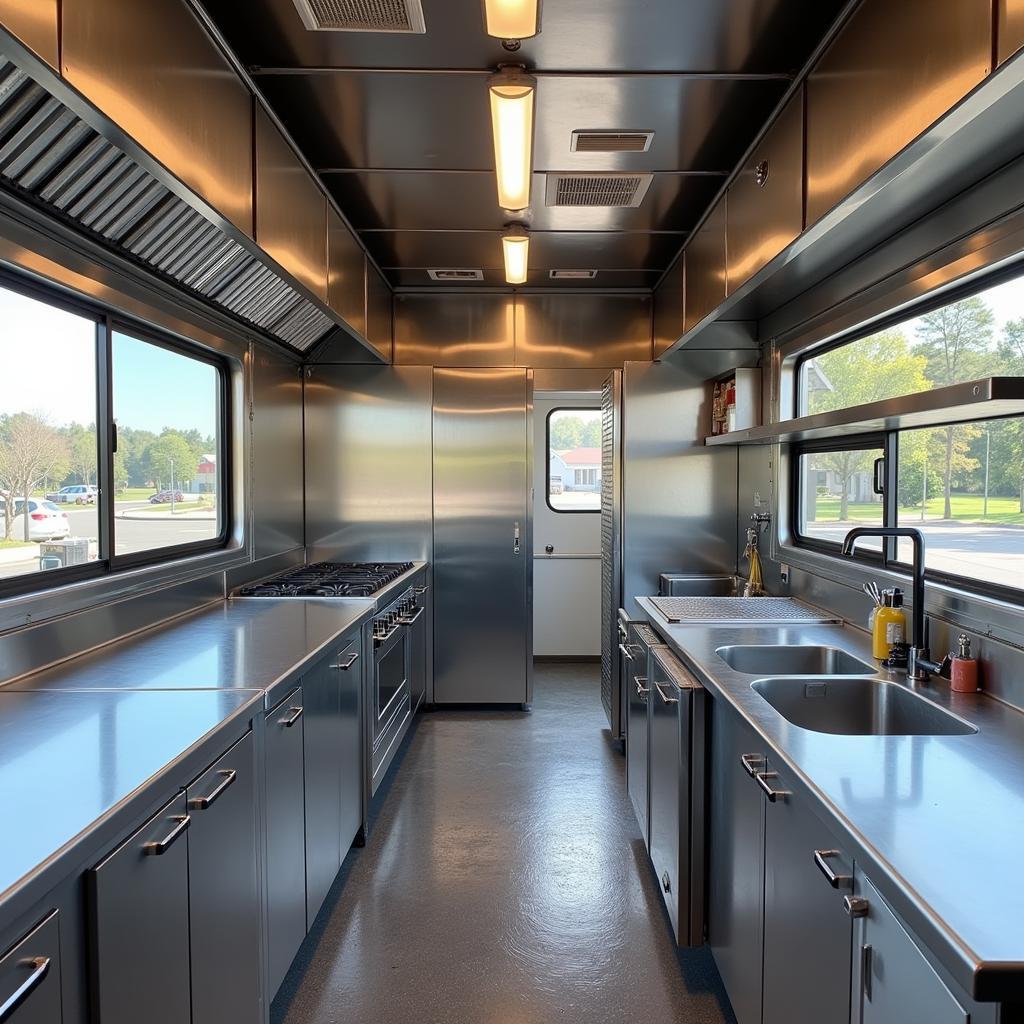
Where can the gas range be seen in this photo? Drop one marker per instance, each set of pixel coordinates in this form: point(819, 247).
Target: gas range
point(329, 579)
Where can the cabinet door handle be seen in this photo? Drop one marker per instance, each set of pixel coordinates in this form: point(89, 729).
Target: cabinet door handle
point(664, 699)
point(296, 714)
point(752, 763)
point(761, 778)
point(641, 690)
point(866, 957)
point(159, 847)
point(200, 803)
point(344, 666)
point(40, 967)
point(821, 859)
point(625, 652)
point(856, 906)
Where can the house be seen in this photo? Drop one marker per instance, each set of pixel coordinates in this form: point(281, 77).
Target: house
point(206, 474)
point(578, 468)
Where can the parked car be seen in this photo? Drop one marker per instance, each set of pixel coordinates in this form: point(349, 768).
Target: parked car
point(163, 497)
point(555, 485)
point(45, 520)
point(80, 494)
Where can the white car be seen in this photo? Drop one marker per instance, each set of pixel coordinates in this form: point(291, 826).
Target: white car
point(79, 494)
point(45, 520)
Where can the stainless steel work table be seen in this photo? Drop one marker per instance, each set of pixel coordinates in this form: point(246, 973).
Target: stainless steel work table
point(247, 643)
point(936, 822)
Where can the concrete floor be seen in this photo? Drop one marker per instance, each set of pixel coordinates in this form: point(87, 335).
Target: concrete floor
point(504, 881)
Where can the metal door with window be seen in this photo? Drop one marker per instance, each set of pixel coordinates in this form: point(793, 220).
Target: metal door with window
point(482, 536)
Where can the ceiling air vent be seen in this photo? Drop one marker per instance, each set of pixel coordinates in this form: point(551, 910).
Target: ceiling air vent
point(455, 274)
point(572, 275)
point(585, 141)
point(362, 15)
point(566, 188)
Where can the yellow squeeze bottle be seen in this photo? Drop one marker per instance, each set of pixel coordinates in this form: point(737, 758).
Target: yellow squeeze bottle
point(890, 624)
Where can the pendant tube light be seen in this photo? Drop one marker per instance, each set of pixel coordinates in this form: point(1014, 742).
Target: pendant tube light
point(512, 95)
point(515, 244)
point(512, 19)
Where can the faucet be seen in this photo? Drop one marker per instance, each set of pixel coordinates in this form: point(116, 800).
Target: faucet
point(920, 667)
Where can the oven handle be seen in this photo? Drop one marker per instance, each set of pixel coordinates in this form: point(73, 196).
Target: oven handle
point(409, 620)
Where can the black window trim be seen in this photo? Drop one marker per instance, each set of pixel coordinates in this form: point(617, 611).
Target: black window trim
point(106, 321)
point(547, 463)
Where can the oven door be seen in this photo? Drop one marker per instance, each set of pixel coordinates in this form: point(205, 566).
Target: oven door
point(390, 679)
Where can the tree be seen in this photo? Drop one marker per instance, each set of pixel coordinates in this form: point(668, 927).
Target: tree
point(31, 451)
point(83, 452)
point(1008, 435)
point(956, 341)
point(170, 457)
point(566, 432)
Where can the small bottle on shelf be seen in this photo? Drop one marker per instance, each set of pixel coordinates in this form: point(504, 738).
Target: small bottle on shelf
point(964, 675)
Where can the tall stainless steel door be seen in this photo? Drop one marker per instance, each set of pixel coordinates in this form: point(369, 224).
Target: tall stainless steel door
point(483, 542)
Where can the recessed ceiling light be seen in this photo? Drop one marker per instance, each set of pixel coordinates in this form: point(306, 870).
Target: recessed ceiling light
point(515, 243)
point(512, 94)
point(512, 19)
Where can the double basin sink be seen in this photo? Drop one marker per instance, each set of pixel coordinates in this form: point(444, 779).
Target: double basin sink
point(824, 689)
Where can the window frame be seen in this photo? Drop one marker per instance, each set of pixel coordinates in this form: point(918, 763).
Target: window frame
point(547, 463)
point(107, 564)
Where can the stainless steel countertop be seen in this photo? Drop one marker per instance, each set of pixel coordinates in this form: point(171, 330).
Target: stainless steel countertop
point(69, 761)
point(241, 643)
point(936, 822)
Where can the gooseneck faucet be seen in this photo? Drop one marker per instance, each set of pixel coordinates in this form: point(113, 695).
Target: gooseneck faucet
point(919, 663)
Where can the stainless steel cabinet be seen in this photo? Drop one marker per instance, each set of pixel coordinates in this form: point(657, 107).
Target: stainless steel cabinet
point(705, 268)
point(30, 977)
point(332, 694)
point(223, 891)
point(894, 983)
point(285, 819)
point(736, 861)
point(140, 907)
point(807, 930)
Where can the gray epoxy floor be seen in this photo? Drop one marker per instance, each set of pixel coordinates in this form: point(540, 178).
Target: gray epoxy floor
point(504, 881)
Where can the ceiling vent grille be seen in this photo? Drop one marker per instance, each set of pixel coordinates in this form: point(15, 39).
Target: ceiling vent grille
point(50, 156)
point(362, 15)
point(572, 275)
point(584, 141)
point(455, 274)
point(566, 188)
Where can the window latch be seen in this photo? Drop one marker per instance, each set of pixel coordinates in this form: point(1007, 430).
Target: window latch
point(879, 486)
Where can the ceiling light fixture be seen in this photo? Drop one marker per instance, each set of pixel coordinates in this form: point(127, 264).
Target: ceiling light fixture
point(512, 94)
point(515, 244)
point(512, 19)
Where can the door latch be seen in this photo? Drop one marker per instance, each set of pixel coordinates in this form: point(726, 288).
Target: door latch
point(515, 539)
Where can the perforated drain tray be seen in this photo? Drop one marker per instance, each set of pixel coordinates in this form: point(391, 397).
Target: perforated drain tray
point(733, 610)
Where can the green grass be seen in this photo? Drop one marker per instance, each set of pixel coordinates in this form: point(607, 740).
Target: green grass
point(182, 506)
point(4, 544)
point(965, 507)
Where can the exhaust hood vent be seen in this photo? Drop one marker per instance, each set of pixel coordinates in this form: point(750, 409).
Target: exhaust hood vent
point(610, 142)
point(455, 274)
point(362, 15)
point(572, 275)
point(52, 158)
point(566, 188)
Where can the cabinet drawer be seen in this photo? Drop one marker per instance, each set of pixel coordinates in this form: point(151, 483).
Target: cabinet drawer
point(30, 977)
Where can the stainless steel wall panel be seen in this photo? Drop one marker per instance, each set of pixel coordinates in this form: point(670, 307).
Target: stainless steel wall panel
point(668, 309)
point(277, 464)
point(34, 22)
point(705, 267)
point(346, 274)
point(291, 211)
point(154, 70)
point(455, 330)
point(766, 201)
point(483, 564)
point(379, 312)
point(893, 70)
point(581, 330)
point(368, 462)
point(1009, 27)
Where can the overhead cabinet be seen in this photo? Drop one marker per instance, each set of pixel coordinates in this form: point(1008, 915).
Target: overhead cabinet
point(34, 22)
point(379, 313)
point(1009, 27)
point(705, 259)
point(346, 273)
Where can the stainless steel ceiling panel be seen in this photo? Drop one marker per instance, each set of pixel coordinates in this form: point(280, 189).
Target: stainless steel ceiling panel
point(346, 273)
point(154, 70)
point(1009, 27)
point(766, 201)
point(668, 309)
point(291, 211)
point(379, 313)
point(559, 330)
point(891, 72)
point(454, 330)
point(34, 22)
point(700, 35)
point(705, 267)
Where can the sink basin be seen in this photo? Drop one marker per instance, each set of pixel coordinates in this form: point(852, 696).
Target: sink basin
point(781, 659)
point(858, 707)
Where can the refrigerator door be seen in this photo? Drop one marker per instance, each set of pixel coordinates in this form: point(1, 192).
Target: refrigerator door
point(483, 544)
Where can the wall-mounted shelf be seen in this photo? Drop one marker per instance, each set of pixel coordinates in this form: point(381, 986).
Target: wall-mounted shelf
point(985, 399)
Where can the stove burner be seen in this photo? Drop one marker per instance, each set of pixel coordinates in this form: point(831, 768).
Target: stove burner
point(329, 579)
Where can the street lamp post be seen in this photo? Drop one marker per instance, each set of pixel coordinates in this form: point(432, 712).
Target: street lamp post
point(988, 452)
point(172, 487)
